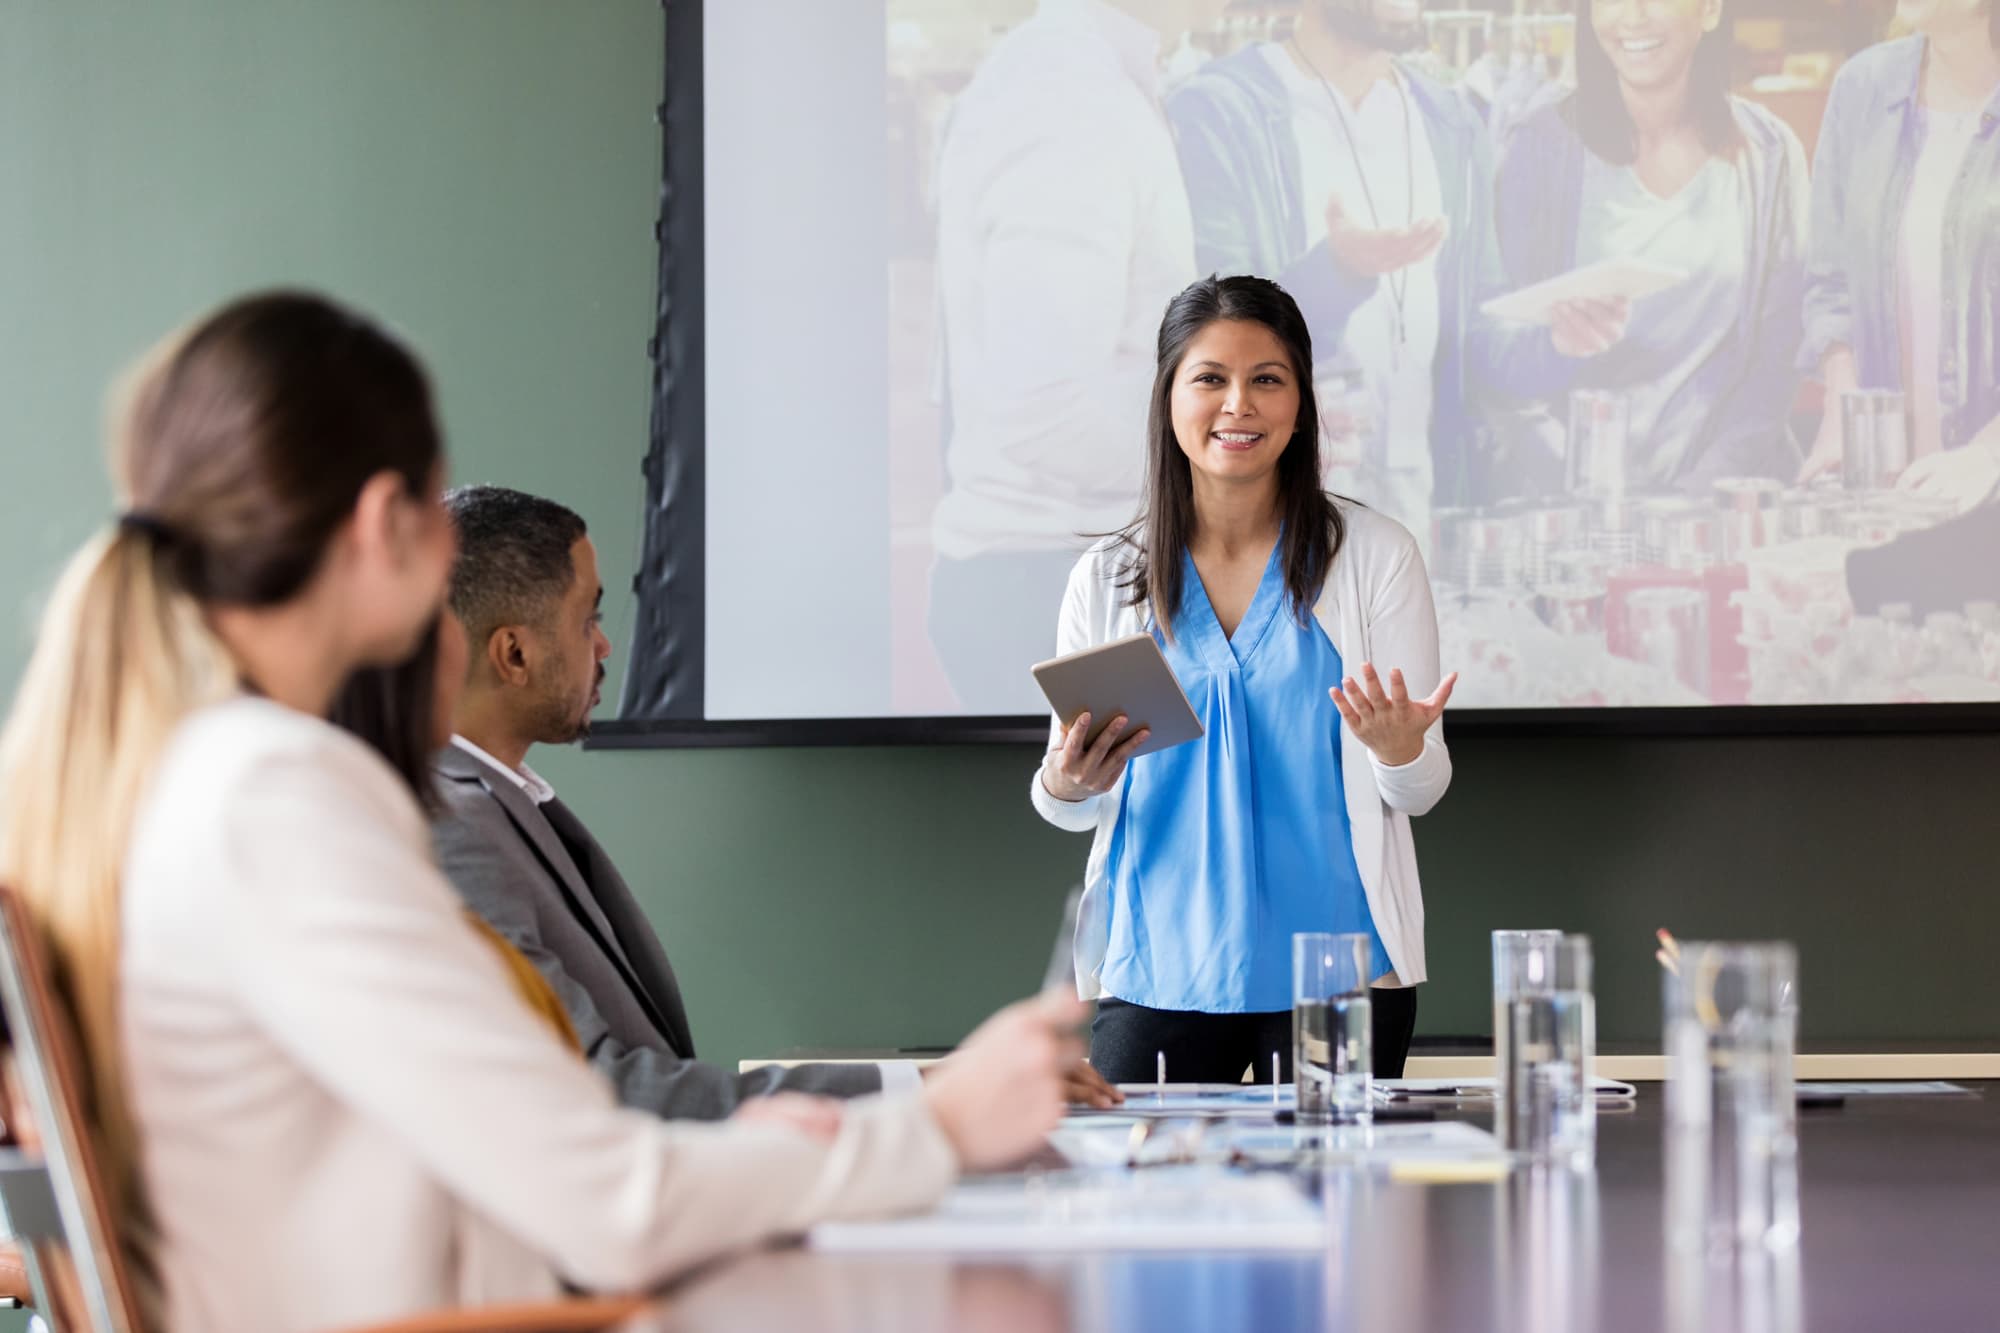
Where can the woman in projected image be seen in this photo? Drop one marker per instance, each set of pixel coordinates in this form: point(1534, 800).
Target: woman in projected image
point(1301, 627)
point(1652, 159)
point(1335, 163)
point(1904, 288)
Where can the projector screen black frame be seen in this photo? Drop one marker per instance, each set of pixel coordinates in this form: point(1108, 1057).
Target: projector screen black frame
point(665, 672)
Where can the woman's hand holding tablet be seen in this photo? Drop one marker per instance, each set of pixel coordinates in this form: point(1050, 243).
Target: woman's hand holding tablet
point(1080, 768)
point(1123, 680)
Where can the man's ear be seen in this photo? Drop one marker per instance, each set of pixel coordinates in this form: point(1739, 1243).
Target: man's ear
point(508, 654)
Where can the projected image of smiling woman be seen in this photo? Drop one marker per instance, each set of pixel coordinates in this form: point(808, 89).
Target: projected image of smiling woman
point(1651, 158)
point(1302, 629)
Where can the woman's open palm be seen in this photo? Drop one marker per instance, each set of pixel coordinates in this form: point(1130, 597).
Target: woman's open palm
point(1386, 719)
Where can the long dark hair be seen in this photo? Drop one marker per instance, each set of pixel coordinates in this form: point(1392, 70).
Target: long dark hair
point(1597, 113)
point(1157, 539)
point(394, 709)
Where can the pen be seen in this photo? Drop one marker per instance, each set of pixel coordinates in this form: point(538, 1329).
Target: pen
point(1669, 952)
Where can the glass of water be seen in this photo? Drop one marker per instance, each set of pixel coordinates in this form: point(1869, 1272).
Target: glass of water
point(1545, 1046)
point(1732, 1122)
point(1874, 438)
point(1333, 1050)
point(1599, 422)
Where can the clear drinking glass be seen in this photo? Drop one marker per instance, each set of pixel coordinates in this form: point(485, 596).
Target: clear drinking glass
point(1510, 958)
point(1874, 438)
point(1544, 1046)
point(1599, 422)
point(1732, 1124)
point(1333, 1050)
point(1549, 1247)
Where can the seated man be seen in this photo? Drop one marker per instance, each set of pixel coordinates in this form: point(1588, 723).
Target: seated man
point(526, 588)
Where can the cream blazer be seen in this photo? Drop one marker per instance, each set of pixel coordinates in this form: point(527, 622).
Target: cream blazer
point(1375, 607)
point(346, 1113)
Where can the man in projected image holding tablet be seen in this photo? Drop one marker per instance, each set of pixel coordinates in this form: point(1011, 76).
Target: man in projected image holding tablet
point(1301, 628)
point(1062, 231)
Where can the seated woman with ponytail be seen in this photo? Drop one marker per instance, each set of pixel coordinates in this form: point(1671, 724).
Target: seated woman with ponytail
point(318, 1097)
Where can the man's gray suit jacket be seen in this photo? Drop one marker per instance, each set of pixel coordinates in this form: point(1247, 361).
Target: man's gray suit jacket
point(580, 925)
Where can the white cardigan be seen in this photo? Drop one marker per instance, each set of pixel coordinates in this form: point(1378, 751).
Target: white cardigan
point(346, 1112)
point(1376, 607)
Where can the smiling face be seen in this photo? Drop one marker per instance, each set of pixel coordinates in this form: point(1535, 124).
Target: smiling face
point(1651, 44)
point(1235, 401)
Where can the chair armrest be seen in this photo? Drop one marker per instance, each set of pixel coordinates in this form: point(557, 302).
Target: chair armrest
point(15, 1289)
point(593, 1315)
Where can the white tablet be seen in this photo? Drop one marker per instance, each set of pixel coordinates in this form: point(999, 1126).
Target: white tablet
point(1128, 676)
point(1605, 280)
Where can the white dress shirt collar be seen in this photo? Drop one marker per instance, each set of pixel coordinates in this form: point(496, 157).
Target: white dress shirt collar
point(529, 781)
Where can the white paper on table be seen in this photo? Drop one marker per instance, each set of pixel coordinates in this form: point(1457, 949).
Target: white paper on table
point(1168, 1208)
point(1105, 1142)
point(1198, 1099)
point(1395, 1141)
point(1476, 1089)
point(1888, 1088)
point(1603, 280)
point(1099, 1140)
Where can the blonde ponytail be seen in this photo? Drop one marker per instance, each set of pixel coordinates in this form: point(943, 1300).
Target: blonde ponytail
point(122, 656)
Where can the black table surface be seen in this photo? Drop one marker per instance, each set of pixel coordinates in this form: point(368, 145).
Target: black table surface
point(1900, 1229)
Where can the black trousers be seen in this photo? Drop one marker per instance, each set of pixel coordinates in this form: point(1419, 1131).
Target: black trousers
point(1126, 1040)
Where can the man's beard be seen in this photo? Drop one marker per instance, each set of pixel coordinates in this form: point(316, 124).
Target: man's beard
point(1356, 21)
point(563, 722)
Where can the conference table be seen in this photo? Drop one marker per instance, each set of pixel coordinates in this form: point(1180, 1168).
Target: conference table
point(1900, 1229)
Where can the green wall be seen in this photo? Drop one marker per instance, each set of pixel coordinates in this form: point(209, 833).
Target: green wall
point(482, 173)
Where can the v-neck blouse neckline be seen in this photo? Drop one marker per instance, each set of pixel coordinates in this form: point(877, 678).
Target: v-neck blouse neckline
point(1223, 651)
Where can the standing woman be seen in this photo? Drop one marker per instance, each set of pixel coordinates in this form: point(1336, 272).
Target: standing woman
point(1275, 603)
point(316, 1094)
point(1652, 158)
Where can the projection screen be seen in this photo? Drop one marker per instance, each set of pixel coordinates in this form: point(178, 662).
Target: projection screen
point(913, 255)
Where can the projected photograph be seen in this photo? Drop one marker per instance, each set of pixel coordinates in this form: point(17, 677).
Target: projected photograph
point(1679, 410)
